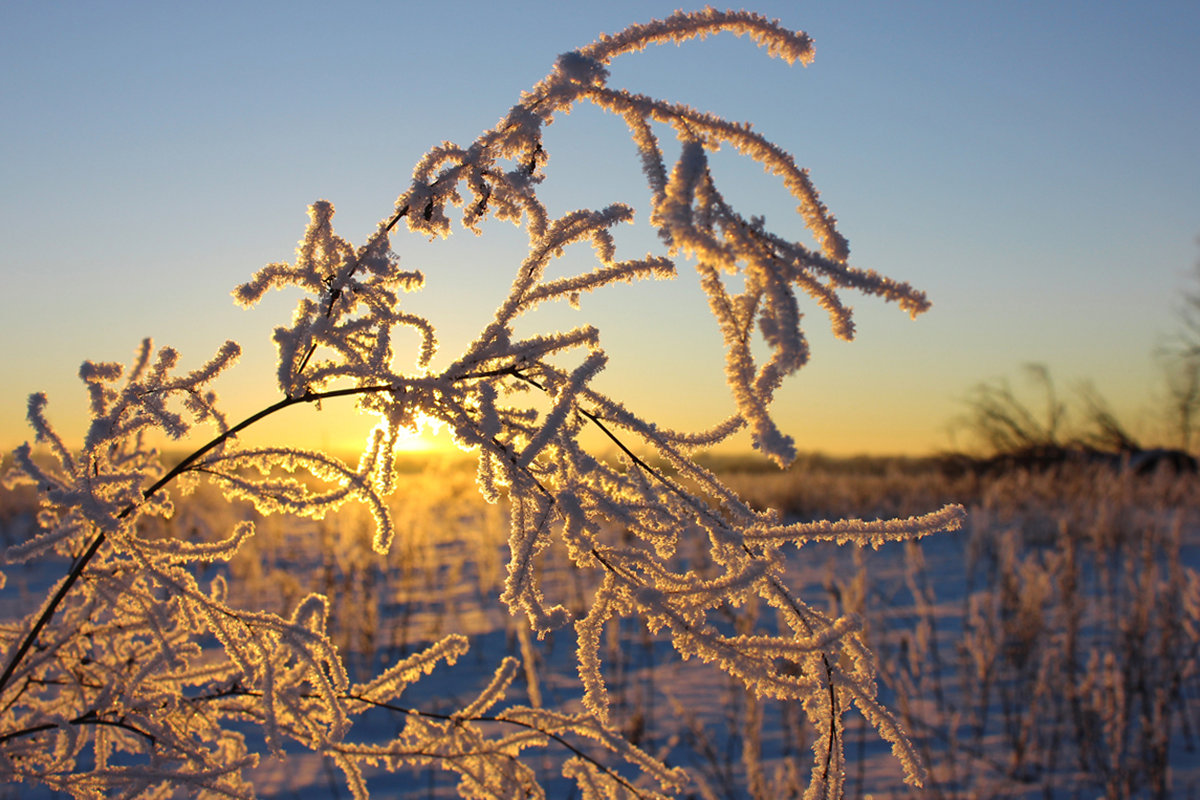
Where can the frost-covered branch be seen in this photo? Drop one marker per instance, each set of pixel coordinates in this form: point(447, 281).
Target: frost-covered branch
point(133, 675)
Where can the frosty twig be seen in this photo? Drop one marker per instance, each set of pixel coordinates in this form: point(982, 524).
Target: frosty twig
point(137, 645)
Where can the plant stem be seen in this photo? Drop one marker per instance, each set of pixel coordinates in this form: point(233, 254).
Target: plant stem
point(236, 691)
point(84, 559)
point(51, 607)
point(90, 718)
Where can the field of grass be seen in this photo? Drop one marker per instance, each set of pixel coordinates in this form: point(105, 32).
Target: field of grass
point(1050, 649)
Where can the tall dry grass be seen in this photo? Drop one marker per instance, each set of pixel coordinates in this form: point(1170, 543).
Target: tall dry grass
point(1051, 649)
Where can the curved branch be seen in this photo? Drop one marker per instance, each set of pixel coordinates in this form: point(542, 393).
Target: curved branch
point(183, 466)
point(238, 691)
point(90, 718)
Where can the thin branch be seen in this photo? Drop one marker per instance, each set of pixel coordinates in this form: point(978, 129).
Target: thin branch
point(239, 691)
point(336, 292)
point(779, 588)
point(90, 718)
point(84, 559)
point(51, 607)
point(490, 718)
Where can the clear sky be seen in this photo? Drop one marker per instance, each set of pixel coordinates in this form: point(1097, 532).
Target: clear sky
point(1034, 166)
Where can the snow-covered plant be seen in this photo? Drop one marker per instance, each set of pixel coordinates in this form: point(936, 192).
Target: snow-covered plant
point(134, 677)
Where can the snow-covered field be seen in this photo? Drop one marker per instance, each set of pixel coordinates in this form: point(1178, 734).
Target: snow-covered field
point(1050, 649)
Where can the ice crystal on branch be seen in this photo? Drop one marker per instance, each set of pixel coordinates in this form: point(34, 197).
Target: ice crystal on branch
point(131, 675)
point(352, 311)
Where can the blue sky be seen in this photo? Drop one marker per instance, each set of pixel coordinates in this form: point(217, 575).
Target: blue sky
point(1033, 166)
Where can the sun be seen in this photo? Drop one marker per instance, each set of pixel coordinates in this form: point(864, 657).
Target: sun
point(428, 434)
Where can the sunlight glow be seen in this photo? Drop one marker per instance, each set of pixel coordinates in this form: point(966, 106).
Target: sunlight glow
point(427, 435)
